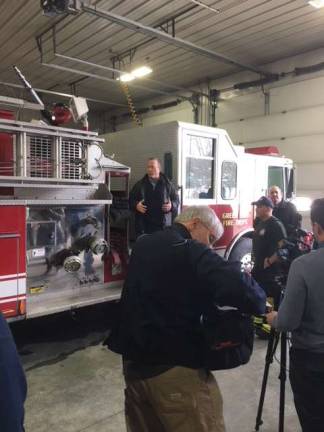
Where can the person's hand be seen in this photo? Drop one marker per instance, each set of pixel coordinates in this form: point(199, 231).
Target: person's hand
point(267, 263)
point(167, 207)
point(270, 317)
point(141, 208)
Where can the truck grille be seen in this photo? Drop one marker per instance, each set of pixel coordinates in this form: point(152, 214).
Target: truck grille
point(70, 156)
point(40, 157)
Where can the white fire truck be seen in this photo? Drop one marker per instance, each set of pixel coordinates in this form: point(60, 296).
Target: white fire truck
point(63, 229)
point(208, 169)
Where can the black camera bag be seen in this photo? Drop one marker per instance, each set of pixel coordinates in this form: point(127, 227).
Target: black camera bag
point(228, 338)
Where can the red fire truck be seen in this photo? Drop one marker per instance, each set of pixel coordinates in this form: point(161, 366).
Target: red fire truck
point(64, 236)
point(63, 229)
point(208, 169)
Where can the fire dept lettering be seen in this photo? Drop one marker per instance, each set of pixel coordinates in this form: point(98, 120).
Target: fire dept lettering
point(229, 220)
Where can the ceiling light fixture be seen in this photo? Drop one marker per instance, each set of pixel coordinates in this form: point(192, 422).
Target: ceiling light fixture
point(139, 72)
point(126, 77)
point(316, 3)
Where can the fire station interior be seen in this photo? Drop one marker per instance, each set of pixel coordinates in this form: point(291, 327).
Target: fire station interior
point(226, 94)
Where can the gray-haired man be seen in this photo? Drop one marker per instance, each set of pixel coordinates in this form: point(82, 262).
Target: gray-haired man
point(172, 275)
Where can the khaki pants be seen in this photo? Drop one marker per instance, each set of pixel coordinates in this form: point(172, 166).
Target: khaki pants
point(179, 400)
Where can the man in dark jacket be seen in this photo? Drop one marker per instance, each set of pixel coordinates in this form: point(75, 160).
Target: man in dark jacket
point(13, 386)
point(285, 211)
point(153, 199)
point(173, 275)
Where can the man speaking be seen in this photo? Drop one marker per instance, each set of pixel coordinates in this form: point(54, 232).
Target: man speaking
point(154, 200)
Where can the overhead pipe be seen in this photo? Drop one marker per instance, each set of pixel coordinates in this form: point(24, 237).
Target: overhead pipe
point(298, 71)
point(156, 107)
point(309, 69)
point(256, 83)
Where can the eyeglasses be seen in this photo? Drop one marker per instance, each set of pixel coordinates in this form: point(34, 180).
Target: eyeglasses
point(211, 237)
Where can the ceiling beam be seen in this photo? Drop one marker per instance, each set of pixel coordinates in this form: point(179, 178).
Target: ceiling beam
point(103, 78)
point(121, 72)
point(165, 37)
point(65, 95)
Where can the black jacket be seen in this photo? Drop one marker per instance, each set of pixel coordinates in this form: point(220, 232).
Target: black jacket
point(171, 280)
point(13, 386)
point(265, 242)
point(286, 212)
point(154, 219)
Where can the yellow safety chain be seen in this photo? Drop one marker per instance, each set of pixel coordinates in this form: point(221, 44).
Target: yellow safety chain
point(131, 107)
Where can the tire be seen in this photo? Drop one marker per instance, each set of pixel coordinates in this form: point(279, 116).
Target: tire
point(242, 251)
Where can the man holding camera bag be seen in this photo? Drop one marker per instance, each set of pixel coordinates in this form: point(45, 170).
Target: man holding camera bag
point(173, 275)
point(302, 312)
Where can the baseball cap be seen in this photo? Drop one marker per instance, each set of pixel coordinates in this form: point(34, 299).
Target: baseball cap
point(263, 201)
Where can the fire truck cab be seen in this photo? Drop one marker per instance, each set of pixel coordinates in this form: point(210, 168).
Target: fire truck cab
point(208, 170)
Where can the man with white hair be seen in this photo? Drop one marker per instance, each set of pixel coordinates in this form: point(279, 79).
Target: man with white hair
point(173, 275)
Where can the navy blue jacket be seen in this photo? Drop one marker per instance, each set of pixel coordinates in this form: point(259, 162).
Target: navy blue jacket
point(154, 219)
point(13, 387)
point(171, 280)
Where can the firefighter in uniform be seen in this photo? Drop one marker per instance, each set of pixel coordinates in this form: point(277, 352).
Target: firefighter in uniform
point(154, 200)
point(13, 387)
point(171, 275)
point(268, 237)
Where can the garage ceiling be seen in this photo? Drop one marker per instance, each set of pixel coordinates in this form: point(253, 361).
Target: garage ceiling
point(250, 32)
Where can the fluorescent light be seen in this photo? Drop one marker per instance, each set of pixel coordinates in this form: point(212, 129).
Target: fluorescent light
point(316, 3)
point(136, 73)
point(229, 94)
point(126, 77)
point(141, 71)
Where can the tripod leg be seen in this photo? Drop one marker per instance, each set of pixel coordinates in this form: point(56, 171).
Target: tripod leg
point(272, 345)
point(282, 377)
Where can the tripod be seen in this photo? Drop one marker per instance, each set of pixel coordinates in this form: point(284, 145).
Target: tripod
point(273, 342)
point(274, 339)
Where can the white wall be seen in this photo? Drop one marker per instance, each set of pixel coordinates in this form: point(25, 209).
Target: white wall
point(295, 120)
point(295, 123)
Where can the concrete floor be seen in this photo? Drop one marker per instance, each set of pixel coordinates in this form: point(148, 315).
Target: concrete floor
point(75, 384)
